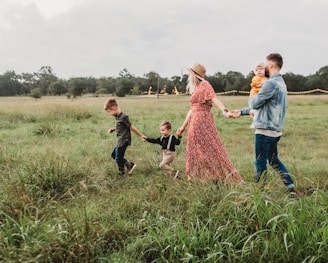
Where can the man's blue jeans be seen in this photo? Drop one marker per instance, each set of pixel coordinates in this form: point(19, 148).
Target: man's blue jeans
point(118, 156)
point(266, 149)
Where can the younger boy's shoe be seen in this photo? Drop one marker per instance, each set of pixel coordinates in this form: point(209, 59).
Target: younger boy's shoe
point(294, 191)
point(176, 174)
point(131, 167)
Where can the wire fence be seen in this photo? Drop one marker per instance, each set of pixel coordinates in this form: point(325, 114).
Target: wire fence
point(241, 92)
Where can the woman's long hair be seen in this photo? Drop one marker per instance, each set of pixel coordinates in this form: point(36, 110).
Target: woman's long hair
point(192, 82)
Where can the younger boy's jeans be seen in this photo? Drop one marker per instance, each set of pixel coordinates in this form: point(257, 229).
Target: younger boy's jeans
point(118, 156)
point(266, 149)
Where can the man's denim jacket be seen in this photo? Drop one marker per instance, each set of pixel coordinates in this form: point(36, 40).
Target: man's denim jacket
point(270, 104)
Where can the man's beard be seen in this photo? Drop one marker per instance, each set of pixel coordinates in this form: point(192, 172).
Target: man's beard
point(266, 73)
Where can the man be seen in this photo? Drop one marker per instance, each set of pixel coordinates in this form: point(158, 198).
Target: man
point(270, 104)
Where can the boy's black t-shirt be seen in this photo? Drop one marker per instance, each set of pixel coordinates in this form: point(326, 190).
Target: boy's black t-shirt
point(123, 132)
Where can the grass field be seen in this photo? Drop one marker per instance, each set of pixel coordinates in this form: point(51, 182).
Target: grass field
point(62, 200)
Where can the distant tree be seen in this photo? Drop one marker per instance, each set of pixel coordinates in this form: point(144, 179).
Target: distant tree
point(247, 82)
point(124, 73)
point(234, 81)
point(135, 90)
point(36, 93)
point(111, 85)
point(217, 81)
point(77, 86)
point(124, 83)
point(123, 87)
point(295, 83)
point(10, 84)
point(90, 84)
point(102, 86)
point(58, 88)
point(153, 80)
point(312, 82)
point(141, 82)
point(29, 81)
point(323, 75)
point(45, 78)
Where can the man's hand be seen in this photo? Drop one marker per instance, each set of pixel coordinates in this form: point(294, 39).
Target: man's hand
point(233, 114)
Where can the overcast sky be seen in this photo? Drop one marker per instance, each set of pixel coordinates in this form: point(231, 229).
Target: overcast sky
point(81, 38)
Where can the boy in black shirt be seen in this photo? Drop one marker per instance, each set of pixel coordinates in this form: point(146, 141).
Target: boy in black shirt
point(168, 142)
point(123, 133)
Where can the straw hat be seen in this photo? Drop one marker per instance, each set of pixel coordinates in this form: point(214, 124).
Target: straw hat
point(199, 70)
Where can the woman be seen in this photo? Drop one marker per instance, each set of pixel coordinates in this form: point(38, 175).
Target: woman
point(206, 157)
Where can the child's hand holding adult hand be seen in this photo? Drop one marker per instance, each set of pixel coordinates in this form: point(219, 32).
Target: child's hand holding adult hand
point(180, 131)
point(111, 130)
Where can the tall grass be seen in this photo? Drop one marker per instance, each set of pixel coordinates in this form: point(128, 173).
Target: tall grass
point(63, 201)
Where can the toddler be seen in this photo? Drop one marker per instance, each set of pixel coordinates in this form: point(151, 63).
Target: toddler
point(168, 143)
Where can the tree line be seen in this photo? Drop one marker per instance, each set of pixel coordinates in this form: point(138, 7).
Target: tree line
point(45, 82)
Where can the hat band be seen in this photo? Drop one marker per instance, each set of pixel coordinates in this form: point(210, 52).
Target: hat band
point(196, 73)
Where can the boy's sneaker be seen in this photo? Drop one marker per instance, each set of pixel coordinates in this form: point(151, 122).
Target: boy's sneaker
point(176, 174)
point(121, 173)
point(132, 166)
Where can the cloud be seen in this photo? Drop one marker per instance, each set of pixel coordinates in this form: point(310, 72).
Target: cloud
point(100, 38)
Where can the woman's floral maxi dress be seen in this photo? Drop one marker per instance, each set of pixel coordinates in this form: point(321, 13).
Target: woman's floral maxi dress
point(206, 157)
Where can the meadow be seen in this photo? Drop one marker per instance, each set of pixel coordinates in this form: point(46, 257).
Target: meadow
point(63, 201)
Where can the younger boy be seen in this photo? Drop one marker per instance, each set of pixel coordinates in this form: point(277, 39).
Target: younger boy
point(123, 133)
point(168, 142)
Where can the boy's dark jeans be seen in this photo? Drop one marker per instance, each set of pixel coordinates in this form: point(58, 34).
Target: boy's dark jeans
point(266, 149)
point(118, 156)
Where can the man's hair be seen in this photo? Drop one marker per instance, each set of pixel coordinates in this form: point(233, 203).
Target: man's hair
point(276, 59)
point(110, 103)
point(167, 124)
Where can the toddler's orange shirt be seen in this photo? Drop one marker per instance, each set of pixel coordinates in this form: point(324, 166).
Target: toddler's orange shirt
point(255, 88)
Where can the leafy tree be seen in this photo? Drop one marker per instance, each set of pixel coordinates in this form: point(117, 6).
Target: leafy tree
point(124, 83)
point(36, 93)
point(45, 78)
point(10, 84)
point(323, 75)
point(217, 81)
point(312, 82)
point(58, 88)
point(135, 90)
point(90, 85)
point(111, 85)
point(29, 81)
point(141, 82)
point(153, 80)
point(124, 73)
point(234, 81)
point(294, 82)
point(77, 86)
point(102, 85)
point(123, 87)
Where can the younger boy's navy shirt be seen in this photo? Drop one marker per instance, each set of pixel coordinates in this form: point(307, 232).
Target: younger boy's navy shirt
point(163, 141)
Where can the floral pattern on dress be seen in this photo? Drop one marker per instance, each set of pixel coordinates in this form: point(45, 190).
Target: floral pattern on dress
point(206, 157)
